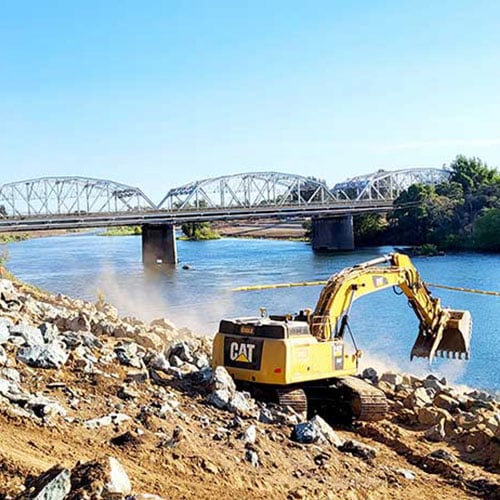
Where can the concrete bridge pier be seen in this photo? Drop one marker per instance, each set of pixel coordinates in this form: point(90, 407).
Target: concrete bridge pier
point(158, 244)
point(332, 233)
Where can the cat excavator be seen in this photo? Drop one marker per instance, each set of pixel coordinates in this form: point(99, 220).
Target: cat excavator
point(302, 360)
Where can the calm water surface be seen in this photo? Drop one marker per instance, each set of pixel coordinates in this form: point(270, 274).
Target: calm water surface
point(384, 326)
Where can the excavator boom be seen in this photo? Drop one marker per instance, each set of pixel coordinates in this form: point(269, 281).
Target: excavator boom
point(441, 331)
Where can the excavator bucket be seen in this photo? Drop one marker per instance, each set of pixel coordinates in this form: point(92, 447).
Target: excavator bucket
point(452, 341)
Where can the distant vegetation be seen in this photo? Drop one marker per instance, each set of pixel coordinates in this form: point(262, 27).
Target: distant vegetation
point(199, 231)
point(13, 237)
point(461, 213)
point(122, 231)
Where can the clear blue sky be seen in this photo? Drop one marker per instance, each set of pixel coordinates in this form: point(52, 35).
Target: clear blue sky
point(156, 94)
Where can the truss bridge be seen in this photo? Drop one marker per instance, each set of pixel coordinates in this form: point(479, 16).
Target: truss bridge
point(78, 202)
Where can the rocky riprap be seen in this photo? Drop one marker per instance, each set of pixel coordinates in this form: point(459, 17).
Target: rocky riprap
point(67, 362)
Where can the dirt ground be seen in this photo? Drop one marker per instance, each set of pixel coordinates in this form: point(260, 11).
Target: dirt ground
point(204, 464)
point(191, 449)
point(271, 229)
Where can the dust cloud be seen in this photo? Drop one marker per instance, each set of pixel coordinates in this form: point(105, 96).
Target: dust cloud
point(132, 296)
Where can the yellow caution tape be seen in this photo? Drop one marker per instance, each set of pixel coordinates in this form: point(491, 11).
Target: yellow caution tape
point(467, 290)
point(318, 283)
point(277, 285)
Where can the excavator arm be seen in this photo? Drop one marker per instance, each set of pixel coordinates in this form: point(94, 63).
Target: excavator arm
point(441, 330)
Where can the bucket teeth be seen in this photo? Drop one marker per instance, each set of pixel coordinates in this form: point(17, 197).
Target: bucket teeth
point(451, 341)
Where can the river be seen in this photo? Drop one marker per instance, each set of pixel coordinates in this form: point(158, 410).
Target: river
point(384, 327)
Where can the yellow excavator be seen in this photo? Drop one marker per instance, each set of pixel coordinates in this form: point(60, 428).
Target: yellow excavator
point(301, 360)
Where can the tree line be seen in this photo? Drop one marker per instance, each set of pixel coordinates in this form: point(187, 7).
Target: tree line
point(460, 213)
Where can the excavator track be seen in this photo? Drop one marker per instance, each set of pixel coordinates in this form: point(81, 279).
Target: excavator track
point(293, 397)
point(367, 402)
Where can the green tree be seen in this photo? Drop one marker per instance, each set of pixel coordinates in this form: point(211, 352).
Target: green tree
point(199, 231)
point(472, 173)
point(486, 232)
point(369, 229)
point(3, 212)
point(411, 221)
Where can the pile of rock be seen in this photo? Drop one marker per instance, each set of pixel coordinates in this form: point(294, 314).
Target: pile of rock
point(469, 419)
point(148, 368)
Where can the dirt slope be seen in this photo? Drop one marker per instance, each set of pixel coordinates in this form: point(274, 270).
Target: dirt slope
point(173, 442)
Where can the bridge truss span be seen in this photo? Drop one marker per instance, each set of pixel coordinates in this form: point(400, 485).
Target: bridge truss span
point(247, 190)
point(387, 185)
point(70, 195)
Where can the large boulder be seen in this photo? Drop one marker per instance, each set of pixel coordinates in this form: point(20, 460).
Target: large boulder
point(220, 379)
point(446, 402)
point(54, 484)
point(26, 335)
point(52, 355)
point(99, 479)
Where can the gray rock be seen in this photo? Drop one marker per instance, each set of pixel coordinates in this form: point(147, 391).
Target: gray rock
point(249, 435)
point(175, 361)
point(358, 449)
point(201, 360)
point(4, 333)
point(202, 377)
point(71, 339)
point(436, 433)
point(241, 403)
point(7, 290)
point(316, 430)
point(371, 375)
point(252, 457)
point(3, 356)
point(10, 374)
point(159, 362)
point(443, 455)
point(118, 482)
point(90, 340)
point(79, 323)
point(182, 351)
point(49, 332)
point(8, 388)
point(481, 396)
point(391, 378)
point(432, 382)
point(38, 406)
point(51, 355)
point(446, 402)
point(266, 416)
point(221, 379)
point(137, 376)
point(127, 354)
point(26, 335)
point(112, 418)
point(52, 409)
point(407, 474)
point(219, 398)
point(6, 322)
point(418, 399)
point(306, 432)
point(326, 431)
point(55, 484)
